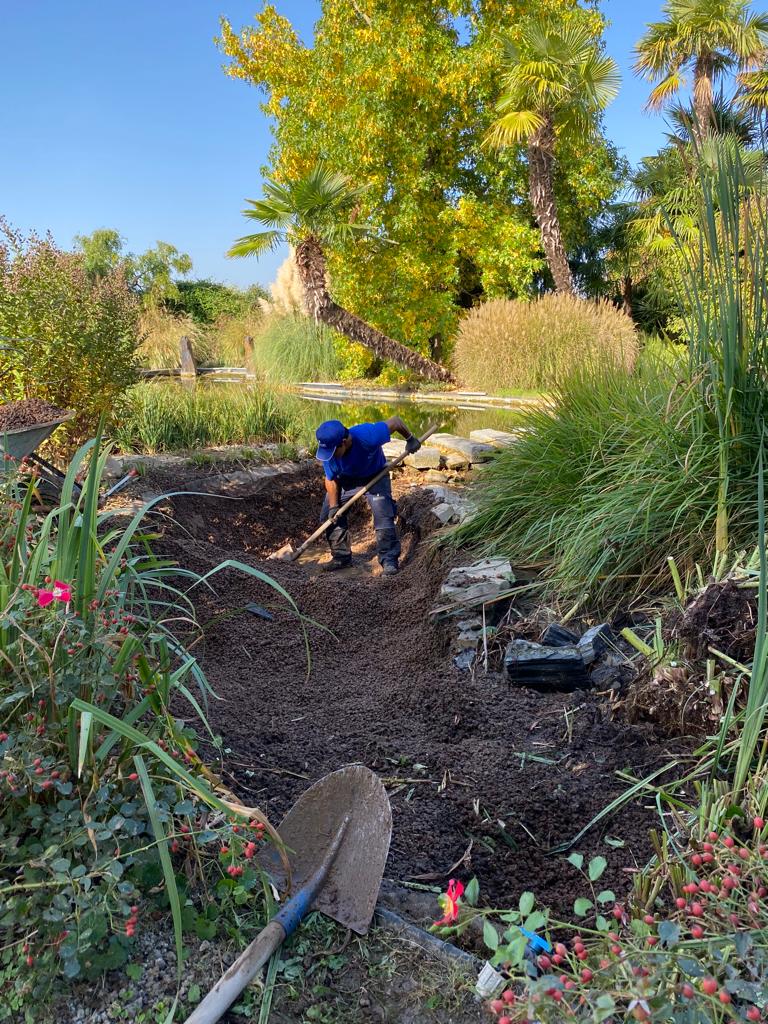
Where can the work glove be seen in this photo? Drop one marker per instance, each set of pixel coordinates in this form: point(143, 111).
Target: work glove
point(412, 444)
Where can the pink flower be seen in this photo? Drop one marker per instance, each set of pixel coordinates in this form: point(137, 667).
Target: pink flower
point(60, 592)
point(449, 902)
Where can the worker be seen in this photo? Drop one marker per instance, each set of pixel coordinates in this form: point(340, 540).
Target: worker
point(351, 457)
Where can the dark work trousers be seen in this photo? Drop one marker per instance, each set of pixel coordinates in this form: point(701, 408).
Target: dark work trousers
point(384, 509)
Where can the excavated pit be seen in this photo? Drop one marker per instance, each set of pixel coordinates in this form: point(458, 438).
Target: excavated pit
point(484, 779)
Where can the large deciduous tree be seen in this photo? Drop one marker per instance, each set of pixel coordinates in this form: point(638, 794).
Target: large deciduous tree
point(398, 95)
point(708, 39)
point(556, 80)
point(315, 211)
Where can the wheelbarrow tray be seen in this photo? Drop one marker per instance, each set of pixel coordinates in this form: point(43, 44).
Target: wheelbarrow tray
point(22, 441)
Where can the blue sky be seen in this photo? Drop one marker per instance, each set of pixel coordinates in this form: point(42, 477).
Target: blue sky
point(119, 115)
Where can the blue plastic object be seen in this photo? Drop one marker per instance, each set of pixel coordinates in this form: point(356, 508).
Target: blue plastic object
point(536, 943)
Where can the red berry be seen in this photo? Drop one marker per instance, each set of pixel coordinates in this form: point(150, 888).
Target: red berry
point(30, 961)
point(586, 975)
point(618, 912)
point(730, 842)
point(697, 910)
point(708, 847)
point(688, 991)
point(3, 737)
point(605, 964)
point(709, 986)
point(652, 940)
point(723, 996)
point(758, 822)
point(556, 958)
point(696, 860)
point(744, 853)
point(224, 851)
point(134, 910)
point(680, 903)
point(697, 931)
point(508, 996)
point(544, 962)
point(713, 837)
point(649, 919)
point(497, 1006)
point(133, 776)
point(505, 1020)
point(582, 954)
point(753, 1013)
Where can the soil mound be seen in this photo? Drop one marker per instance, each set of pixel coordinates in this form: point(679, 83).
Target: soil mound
point(484, 779)
point(28, 413)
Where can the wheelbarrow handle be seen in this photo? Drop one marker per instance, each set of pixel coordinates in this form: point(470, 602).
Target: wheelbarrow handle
point(356, 497)
point(284, 923)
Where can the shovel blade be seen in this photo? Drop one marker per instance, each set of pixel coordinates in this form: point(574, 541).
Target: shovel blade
point(283, 554)
point(351, 889)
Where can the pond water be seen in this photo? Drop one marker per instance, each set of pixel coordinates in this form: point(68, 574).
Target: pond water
point(418, 416)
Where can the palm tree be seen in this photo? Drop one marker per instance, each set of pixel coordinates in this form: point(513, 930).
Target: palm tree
point(711, 38)
point(555, 79)
point(312, 213)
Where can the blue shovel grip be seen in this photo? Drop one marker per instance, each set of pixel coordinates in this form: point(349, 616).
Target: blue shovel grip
point(290, 916)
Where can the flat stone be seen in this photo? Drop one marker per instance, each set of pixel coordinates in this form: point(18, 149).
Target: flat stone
point(595, 641)
point(453, 460)
point(471, 450)
point(424, 458)
point(445, 512)
point(556, 635)
point(467, 586)
point(465, 660)
point(393, 449)
point(434, 476)
point(497, 438)
point(545, 668)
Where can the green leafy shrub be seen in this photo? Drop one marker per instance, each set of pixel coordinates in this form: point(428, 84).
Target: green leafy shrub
point(208, 302)
point(508, 343)
point(294, 348)
point(64, 336)
point(104, 799)
point(166, 417)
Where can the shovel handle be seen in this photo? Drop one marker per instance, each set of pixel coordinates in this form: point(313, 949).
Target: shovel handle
point(284, 923)
point(356, 497)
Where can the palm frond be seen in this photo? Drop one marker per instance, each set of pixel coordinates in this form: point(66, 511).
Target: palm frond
point(256, 244)
point(513, 127)
point(665, 90)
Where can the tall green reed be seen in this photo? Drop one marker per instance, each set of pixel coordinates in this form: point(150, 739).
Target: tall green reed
point(166, 417)
point(723, 294)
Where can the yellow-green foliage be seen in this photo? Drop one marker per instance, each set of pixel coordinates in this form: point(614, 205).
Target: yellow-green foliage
point(532, 345)
point(222, 344)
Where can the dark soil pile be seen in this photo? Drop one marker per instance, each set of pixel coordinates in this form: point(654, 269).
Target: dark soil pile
point(484, 779)
point(28, 413)
point(723, 616)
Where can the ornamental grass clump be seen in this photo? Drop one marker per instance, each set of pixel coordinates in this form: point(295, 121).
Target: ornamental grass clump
point(104, 799)
point(508, 344)
point(166, 417)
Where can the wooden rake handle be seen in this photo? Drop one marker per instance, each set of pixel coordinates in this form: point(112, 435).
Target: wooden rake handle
point(357, 496)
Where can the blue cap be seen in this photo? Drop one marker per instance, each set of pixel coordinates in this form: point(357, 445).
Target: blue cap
point(329, 435)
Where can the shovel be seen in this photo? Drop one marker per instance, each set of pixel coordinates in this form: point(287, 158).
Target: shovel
point(337, 837)
point(287, 553)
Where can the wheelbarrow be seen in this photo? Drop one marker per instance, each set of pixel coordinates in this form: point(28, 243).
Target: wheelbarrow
point(23, 442)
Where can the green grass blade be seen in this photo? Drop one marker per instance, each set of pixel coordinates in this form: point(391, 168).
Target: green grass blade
point(165, 858)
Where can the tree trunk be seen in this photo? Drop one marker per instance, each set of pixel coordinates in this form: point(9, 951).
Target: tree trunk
point(703, 99)
point(541, 159)
point(627, 294)
point(310, 261)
